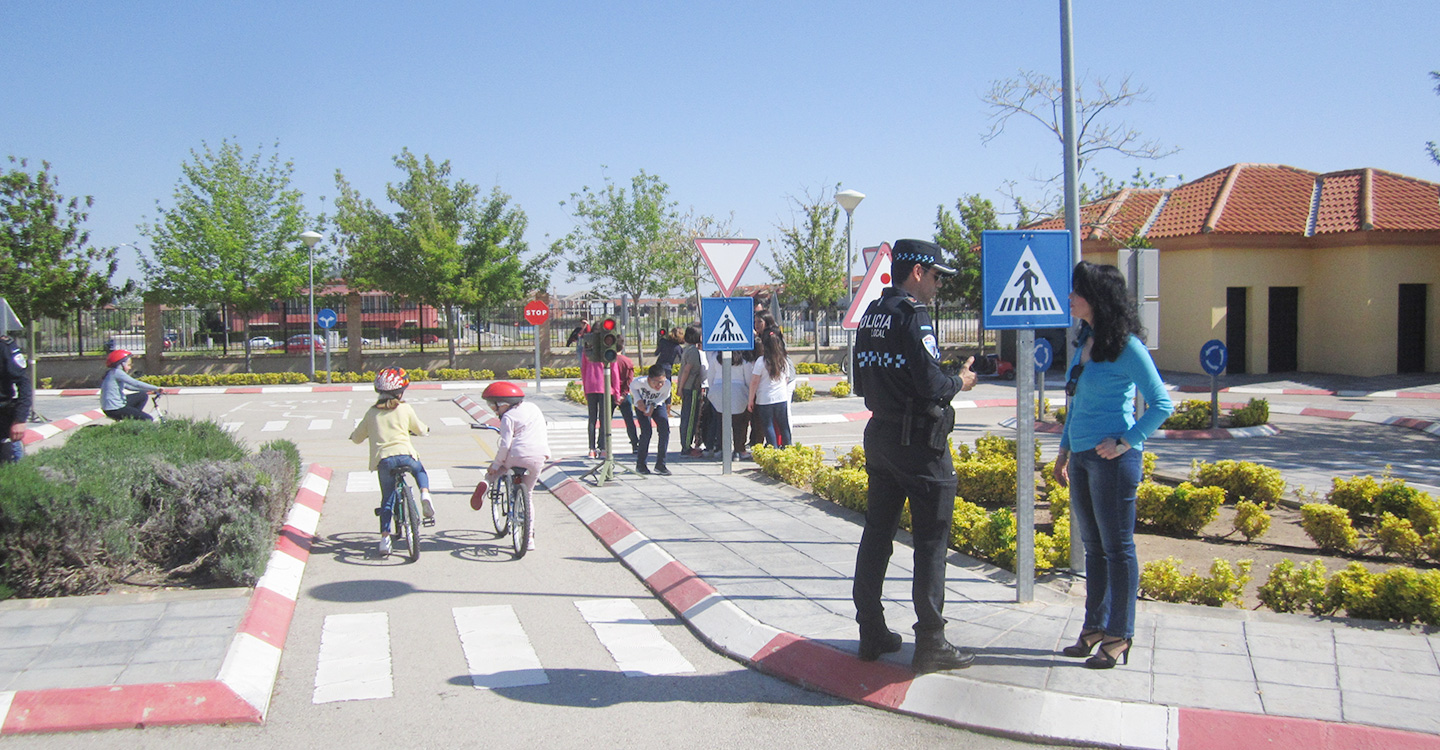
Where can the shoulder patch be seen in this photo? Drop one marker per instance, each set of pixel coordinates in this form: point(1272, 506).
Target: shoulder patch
point(931, 346)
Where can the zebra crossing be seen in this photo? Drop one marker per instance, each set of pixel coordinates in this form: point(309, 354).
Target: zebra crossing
point(354, 662)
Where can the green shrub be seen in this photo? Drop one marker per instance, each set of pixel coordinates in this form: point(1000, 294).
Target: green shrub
point(803, 393)
point(1251, 520)
point(816, 368)
point(1397, 536)
point(1329, 526)
point(1292, 589)
point(987, 481)
point(845, 486)
point(1253, 414)
point(1356, 495)
point(1059, 499)
point(1162, 580)
point(1189, 415)
point(1351, 589)
point(841, 389)
point(574, 391)
point(794, 464)
point(1241, 480)
point(1408, 595)
point(854, 459)
point(1147, 465)
point(1183, 511)
point(521, 373)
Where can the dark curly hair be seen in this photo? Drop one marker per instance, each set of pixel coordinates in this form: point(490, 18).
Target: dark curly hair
point(1112, 307)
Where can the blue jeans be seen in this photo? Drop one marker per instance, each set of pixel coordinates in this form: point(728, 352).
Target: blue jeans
point(11, 451)
point(386, 470)
point(660, 417)
point(1102, 507)
point(775, 420)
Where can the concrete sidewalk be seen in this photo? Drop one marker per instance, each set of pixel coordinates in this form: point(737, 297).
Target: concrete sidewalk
point(763, 572)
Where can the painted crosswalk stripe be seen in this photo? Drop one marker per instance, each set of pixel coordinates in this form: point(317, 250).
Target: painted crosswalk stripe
point(454, 421)
point(354, 658)
point(231, 426)
point(278, 426)
point(320, 424)
point(496, 649)
point(632, 639)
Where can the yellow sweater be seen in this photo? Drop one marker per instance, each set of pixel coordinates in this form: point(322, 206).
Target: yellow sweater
point(389, 432)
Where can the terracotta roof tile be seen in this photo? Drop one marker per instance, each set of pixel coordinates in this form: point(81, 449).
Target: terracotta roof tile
point(1404, 203)
point(1266, 199)
point(1339, 209)
point(1189, 205)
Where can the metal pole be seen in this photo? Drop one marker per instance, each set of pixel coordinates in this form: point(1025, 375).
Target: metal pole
point(727, 430)
point(311, 248)
point(1025, 467)
point(849, 295)
point(1072, 205)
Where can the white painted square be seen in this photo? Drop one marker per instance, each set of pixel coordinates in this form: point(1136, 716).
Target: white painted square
point(496, 648)
point(354, 661)
point(638, 647)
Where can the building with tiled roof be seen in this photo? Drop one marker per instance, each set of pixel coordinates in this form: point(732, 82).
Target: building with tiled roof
point(1295, 270)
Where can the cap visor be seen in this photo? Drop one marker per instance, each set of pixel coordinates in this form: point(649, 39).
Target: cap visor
point(944, 269)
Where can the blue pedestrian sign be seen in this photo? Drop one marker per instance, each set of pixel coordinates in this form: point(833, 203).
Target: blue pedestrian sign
point(727, 324)
point(326, 318)
point(1044, 355)
point(1214, 356)
point(1026, 279)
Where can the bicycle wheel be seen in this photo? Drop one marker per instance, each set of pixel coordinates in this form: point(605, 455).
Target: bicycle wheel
point(520, 520)
point(411, 520)
point(500, 505)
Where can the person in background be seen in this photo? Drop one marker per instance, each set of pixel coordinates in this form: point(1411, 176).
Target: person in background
point(122, 396)
point(667, 350)
point(770, 384)
point(739, 387)
point(17, 398)
point(388, 425)
point(1100, 454)
point(692, 391)
point(595, 377)
point(577, 338)
point(625, 368)
point(652, 402)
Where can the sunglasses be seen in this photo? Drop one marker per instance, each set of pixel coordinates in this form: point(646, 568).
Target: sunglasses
point(1074, 380)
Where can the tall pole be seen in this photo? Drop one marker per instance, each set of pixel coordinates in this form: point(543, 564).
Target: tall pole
point(310, 238)
point(848, 200)
point(1072, 203)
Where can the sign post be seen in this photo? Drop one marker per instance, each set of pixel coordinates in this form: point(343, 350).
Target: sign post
point(1214, 356)
point(536, 313)
point(1026, 285)
point(727, 324)
point(325, 318)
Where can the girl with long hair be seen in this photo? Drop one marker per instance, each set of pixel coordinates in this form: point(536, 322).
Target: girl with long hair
point(770, 383)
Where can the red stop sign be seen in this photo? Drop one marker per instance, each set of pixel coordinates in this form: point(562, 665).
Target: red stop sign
point(536, 312)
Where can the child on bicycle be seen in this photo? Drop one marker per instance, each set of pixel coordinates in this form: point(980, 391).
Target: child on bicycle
point(524, 442)
point(388, 426)
point(121, 395)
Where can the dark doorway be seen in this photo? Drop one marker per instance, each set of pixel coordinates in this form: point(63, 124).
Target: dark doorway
point(1236, 320)
point(1284, 329)
point(1410, 328)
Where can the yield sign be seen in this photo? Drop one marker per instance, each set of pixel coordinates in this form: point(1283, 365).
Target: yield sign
point(876, 279)
point(869, 253)
point(727, 259)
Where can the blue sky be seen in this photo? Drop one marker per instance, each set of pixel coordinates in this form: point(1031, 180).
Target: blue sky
point(737, 105)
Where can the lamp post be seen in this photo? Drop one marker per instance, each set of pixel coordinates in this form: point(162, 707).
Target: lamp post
point(310, 238)
point(848, 200)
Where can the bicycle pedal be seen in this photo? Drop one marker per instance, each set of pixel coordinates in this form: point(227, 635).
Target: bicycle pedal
point(427, 522)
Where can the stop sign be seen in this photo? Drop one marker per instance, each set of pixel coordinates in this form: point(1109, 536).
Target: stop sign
point(536, 312)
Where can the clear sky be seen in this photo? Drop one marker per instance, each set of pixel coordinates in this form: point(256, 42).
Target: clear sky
point(737, 105)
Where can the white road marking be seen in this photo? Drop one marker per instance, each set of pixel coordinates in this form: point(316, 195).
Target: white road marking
point(278, 426)
point(369, 481)
point(354, 658)
point(632, 639)
point(496, 649)
point(321, 424)
point(454, 421)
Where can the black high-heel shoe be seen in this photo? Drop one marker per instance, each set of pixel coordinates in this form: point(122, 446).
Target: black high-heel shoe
point(1106, 658)
point(1087, 642)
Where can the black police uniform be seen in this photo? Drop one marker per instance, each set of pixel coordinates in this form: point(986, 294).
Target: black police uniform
point(16, 396)
point(897, 370)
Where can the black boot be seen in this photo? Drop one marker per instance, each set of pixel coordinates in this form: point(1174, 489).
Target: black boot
point(873, 647)
point(935, 654)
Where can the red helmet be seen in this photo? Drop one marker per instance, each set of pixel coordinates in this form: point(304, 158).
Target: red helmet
point(116, 357)
point(391, 379)
point(504, 393)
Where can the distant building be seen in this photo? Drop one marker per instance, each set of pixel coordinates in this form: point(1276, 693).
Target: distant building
point(1293, 270)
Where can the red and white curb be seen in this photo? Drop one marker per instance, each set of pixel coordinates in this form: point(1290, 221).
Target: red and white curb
point(45, 431)
point(240, 693)
point(1424, 425)
point(950, 698)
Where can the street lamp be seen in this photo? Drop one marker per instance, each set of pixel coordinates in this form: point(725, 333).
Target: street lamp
point(310, 238)
point(848, 200)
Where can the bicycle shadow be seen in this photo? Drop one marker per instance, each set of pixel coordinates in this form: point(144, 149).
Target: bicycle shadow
point(358, 547)
point(591, 688)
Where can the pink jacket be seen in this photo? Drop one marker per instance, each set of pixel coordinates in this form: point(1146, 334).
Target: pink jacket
point(592, 377)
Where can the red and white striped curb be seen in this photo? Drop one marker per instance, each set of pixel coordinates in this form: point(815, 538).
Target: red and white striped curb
point(1219, 433)
point(950, 698)
point(44, 431)
point(240, 693)
point(1424, 425)
point(252, 389)
point(1262, 390)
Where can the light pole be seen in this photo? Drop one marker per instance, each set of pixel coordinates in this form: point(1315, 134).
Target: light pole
point(848, 200)
point(310, 238)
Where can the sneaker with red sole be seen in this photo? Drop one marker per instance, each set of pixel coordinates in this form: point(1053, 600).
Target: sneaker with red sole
point(477, 498)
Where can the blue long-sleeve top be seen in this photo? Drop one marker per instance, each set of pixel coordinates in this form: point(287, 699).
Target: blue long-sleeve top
point(1104, 401)
point(114, 386)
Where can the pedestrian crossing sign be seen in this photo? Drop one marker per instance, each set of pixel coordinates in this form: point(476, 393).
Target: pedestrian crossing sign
point(1026, 279)
point(727, 324)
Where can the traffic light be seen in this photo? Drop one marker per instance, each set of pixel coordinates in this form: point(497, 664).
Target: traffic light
point(608, 341)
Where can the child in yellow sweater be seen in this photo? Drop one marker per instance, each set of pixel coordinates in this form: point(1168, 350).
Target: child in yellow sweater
point(388, 426)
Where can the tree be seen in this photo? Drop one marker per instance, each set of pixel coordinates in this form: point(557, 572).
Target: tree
point(961, 241)
point(698, 227)
point(443, 247)
point(810, 261)
point(1430, 146)
point(47, 268)
point(630, 243)
point(1038, 97)
point(232, 237)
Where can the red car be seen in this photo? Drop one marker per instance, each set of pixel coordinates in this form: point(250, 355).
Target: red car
point(301, 343)
point(425, 338)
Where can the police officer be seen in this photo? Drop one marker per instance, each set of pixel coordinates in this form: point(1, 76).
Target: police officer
point(16, 399)
point(897, 370)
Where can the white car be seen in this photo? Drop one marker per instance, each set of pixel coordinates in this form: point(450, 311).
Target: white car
point(261, 342)
point(345, 341)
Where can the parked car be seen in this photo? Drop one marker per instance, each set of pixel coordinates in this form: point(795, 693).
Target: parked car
point(301, 342)
point(425, 338)
point(991, 366)
point(261, 342)
point(345, 341)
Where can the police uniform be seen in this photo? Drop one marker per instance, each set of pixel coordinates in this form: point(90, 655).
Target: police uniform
point(897, 370)
point(16, 397)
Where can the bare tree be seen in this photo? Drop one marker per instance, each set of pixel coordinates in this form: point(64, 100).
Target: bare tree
point(1430, 147)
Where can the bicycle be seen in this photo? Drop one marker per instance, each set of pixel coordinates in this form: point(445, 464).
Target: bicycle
point(405, 513)
point(511, 507)
point(160, 415)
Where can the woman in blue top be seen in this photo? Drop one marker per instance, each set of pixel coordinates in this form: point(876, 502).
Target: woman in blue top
point(1100, 450)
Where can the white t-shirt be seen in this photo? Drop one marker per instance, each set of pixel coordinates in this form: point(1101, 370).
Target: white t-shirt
point(772, 391)
point(642, 393)
point(739, 383)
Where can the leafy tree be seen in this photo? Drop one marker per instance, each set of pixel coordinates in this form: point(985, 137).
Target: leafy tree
point(960, 238)
point(1430, 146)
point(47, 268)
point(232, 237)
point(1040, 98)
point(444, 246)
point(697, 227)
point(627, 242)
point(810, 259)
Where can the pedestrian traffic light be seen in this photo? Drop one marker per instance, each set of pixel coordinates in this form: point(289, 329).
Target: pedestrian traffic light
point(609, 340)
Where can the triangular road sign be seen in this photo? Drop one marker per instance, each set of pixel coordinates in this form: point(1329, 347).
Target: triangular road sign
point(1027, 292)
point(869, 254)
point(8, 321)
point(727, 331)
point(876, 279)
point(727, 259)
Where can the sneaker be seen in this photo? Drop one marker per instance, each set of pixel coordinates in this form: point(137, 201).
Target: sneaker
point(742, 456)
point(661, 470)
point(384, 548)
point(592, 454)
point(642, 469)
point(427, 511)
point(477, 498)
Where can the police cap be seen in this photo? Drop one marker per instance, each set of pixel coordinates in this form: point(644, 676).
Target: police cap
point(922, 252)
